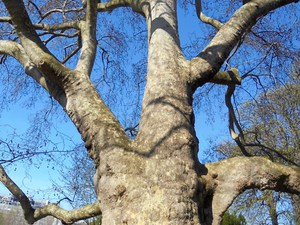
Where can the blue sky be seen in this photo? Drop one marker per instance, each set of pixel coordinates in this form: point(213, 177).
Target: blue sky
point(36, 179)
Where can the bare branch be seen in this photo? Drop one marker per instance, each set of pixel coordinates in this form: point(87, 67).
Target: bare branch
point(209, 61)
point(233, 122)
point(32, 215)
point(18, 193)
point(228, 178)
point(205, 19)
point(61, 26)
point(272, 150)
point(248, 73)
point(39, 55)
point(68, 217)
point(62, 11)
point(5, 19)
point(239, 138)
point(230, 77)
point(69, 56)
point(36, 7)
point(23, 25)
point(17, 51)
point(137, 6)
point(88, 38)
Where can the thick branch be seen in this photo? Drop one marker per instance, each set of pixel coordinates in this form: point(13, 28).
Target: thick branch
point(23, 25)
point(17, 51)
point(32, 215)
point(205, 19)
point(88, 38)
point(209, 61)
point(18, 193)
point(228, 178)
point(68, 217)
point(5, 19)
point(136, 5)
point(93, 118)
point(39, 55)
point(61, 26)
point(230, 77)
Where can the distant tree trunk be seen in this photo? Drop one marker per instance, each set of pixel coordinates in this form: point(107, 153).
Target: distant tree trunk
point(272, 204)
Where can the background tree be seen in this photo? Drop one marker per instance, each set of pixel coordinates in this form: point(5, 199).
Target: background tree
point(156, 177)
point(270, 128)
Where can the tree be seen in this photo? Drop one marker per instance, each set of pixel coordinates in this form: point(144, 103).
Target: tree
point(270, 128)
point(156, 177)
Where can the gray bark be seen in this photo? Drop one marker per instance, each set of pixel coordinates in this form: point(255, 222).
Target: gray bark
point(155, 179)
point(156, 182)
point(272, 204)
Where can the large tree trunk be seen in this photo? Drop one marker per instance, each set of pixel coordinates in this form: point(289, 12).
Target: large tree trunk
point(155, 181)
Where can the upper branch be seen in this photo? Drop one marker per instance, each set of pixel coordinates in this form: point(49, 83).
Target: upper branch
point(61, 26)
point(136, 5)
point(88, 38)
point(205, 19)
point(209, 61)
point(35, 49)
point(6, 19)
point(32, 215)
point(230, 77)
point(17, 51)
point(229, 178)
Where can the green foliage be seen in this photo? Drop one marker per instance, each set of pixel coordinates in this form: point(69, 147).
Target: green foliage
point(232, 219)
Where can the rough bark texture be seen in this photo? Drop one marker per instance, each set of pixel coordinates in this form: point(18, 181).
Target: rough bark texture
point(227, 179)
point(271, 204)
point(155, 179)
point(156, 183)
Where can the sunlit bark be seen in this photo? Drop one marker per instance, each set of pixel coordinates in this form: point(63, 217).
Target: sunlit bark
point(156, 178)
point(228, 178)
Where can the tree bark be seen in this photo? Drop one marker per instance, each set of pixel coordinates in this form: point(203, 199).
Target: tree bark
point(156, 182)
point(155, 179)
point(228, 178)
point(271, 204)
